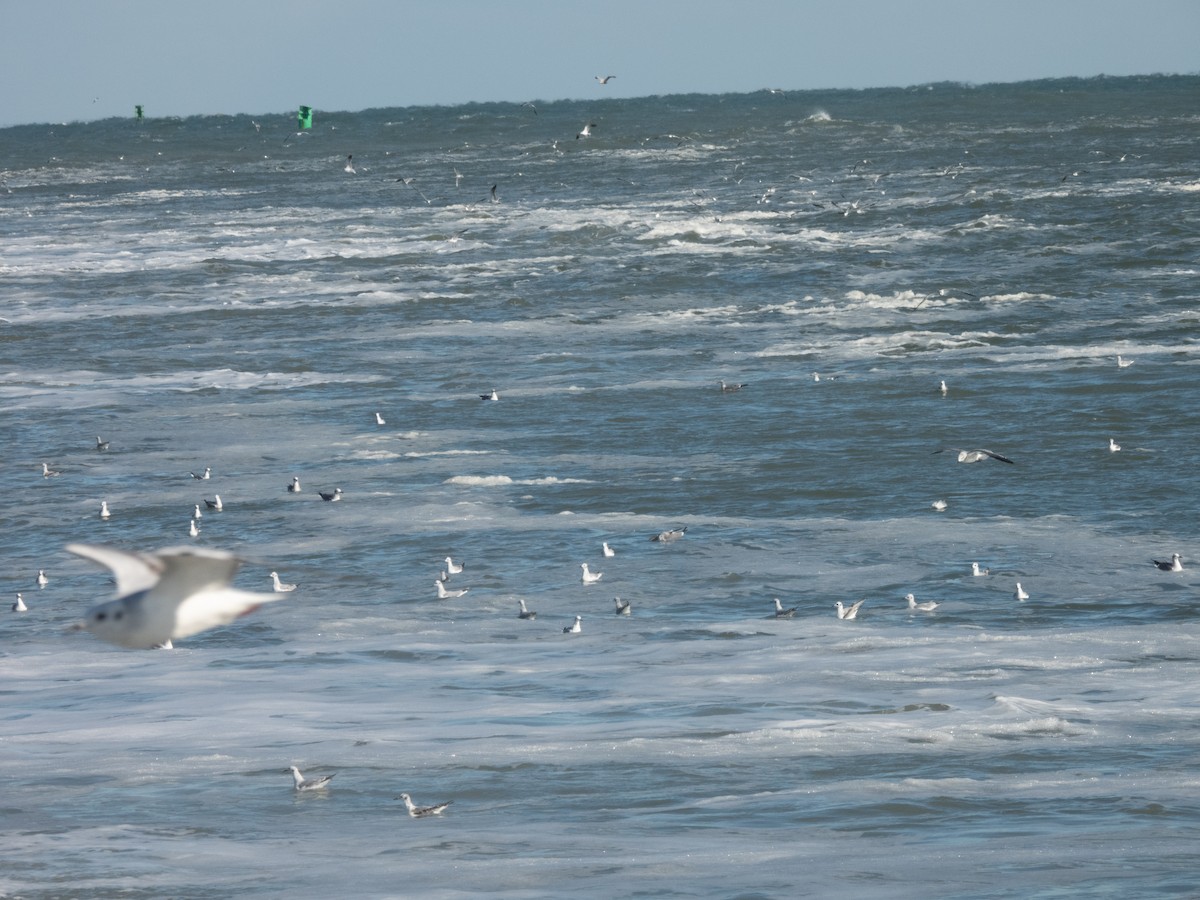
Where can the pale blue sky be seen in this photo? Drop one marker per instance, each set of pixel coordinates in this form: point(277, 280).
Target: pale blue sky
point(68, 60)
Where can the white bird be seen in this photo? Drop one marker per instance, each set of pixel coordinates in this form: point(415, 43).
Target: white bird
point(666, 537)
point(104, 513)
point(927, 606)
point(349, 167)
point(333, 497)
point(850, 612)
point(452, 567)
point(978, 570)
point(1020, 593)
point(204, 477)
point(214, 504)
point(48, 472)
point(623, 607)
point(1175, 565)
point(443, 575)
point(444, 594)
point(605, 79)
point(41, 579)
point(525, 613)
point(169, 594)
point(970, 456)
point(609, 552)
point(1123, 363)
point(294, 487)
point(20, 606)
point(193, 528)
point(165, 645)
point(196, 514)
point(816, 377)
point(587, 130)
point(280, 587)
point(942, 387)
point(101, 444)
point(492, 396)
point(310, 784)
point(576, 627)
point(781, 613)
point(939, 505)
point(590, 577)
point(730, 388)
point(420, 812)
point(379, 419)
point(1113, 446)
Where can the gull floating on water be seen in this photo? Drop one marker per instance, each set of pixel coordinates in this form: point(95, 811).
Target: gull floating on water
point(576, 627)
point(945, 390)
point(420, 812)
point(608, 551)
point(41, 579)
point(310, 784)
point(294, 486)
point(20, 606)
point(1113, 446)
point(1020, 593)
point(101, 444)
point(667, 536)
point(1175, 565)
point(970, 456)
point(193, 528)
point(350, 164)
point(492, 396)
point(1123, 363)
point(280, 587)
point(939, 505)
point(590, 577)
point(781, 613)
point(978, 570)
point(48, 472)
point(444, 594)
point(927, 606)
point(205, 476)
point(452, 567)
point(169, 594)
point(730, 388)
point(214, 504)
point(850, 612)
point(525, 613)
point(379, 419)
point(331, 497)
point(196, 514)
point(623, 607)
point(104, 513)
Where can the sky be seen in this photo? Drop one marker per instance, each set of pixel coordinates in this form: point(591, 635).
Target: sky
point(79, 60)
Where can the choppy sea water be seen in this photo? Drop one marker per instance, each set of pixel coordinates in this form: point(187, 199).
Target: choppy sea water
point(219, 291)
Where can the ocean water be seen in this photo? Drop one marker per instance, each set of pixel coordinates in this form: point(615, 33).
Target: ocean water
point(219, 291)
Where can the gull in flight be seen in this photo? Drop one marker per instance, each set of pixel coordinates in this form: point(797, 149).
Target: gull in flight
point(169, 594)
point(420, 812)
point(452, 567)
point(280, 587)
point(331, 497)
point(587, 130)
point(574, 628)
point(978, 570)
point(665, 537)
point(970, 456)
point(525, 613)
point(927, 606)
point(605, 79)
point(781, 613)
point(590, 577)
point(20, 606)
point(609, 552)
point(1175, 565)
point(623, 608)
point(205, 476)
point(294, 487)
point(851, 612)
point(320, 783)
point(1020, 593)
point(444, 594)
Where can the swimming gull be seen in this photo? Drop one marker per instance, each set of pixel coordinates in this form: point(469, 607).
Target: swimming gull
point(730, 388)
point(1175, 565)
point(1020, 593)
point(214, 504)
point(609, 552)
point(168, 594)
point(492, 396)
point(978, 570)
point(20, 606)
point(379, 419)
point(310, 784)
point(970, 456)
point(673, 534)
point(452, 567)
point(850, 612)
point(939, 505)
point(590, 577)
point(1123, 363)
point(193, 528)
point(420, 812)
point(48, 472)
point(165, 645)
point(605, 79)
point(945, 390)
point(104, 513)
point(350, 164)
point(294, 486)
point(331, 497)
point(927, 606)
point(444, 594)
point(525, 613)
point(280, 587)
point(623, 607)
point(41, 579)
point(576, 627)
point(443, 576)
point(196, 514)
point(1113, 446)
point(781, 613)
point(207, 474)
point(101, 444)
